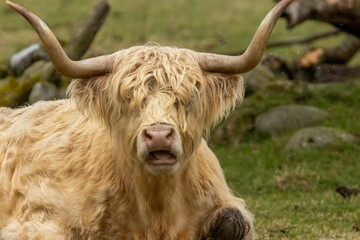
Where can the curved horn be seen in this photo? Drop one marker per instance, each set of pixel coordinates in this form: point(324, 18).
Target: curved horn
point(72, 69)
point(253, 54)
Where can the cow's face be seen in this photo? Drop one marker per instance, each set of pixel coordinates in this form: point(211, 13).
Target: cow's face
point(157, 104)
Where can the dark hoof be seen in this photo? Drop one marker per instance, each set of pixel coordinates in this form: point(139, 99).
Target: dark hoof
point(229, 225)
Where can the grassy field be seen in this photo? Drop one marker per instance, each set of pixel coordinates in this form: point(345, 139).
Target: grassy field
point(292, 195)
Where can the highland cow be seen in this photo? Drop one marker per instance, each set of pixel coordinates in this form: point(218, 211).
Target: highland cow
point(125, 157)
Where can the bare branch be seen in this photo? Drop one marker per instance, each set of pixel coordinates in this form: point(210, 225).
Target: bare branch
point(306, 40)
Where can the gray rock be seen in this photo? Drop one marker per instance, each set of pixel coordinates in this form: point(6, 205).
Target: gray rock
point(287, 118)
point(42, 91)
point(315, 137)
point(23, 59)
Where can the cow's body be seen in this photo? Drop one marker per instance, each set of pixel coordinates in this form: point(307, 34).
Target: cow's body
point(125, 157)
point(63, 175)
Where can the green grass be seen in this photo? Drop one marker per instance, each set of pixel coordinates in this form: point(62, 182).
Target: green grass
point(292, 195)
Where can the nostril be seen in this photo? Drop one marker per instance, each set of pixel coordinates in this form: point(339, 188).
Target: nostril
point(170, 133)
point(147, 135)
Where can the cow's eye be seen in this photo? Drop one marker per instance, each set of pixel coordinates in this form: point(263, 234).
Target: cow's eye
point(181, 107)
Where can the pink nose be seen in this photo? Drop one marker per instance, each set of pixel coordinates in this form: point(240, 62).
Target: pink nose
point(158, 136)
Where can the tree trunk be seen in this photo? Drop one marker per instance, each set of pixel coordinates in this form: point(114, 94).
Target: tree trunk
point(82, 39)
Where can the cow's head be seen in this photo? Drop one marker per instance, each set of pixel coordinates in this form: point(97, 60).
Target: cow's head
point(157, 102)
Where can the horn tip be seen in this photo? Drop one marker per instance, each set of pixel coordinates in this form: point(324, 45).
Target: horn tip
point(9, 3)
point(14, 6)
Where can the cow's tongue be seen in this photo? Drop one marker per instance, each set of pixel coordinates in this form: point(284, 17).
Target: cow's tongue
point(162, 157)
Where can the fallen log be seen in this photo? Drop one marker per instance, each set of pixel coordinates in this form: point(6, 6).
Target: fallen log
point(339, 54)
point(326, 64)
point(343, 14)
point(325, 73)
point(15, 91)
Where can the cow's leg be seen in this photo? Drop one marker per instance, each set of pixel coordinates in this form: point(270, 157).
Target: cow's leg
point(31, 230)
point(229, 224)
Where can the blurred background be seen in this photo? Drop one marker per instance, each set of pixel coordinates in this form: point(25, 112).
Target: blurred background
point(291, 149)
point(204, 26)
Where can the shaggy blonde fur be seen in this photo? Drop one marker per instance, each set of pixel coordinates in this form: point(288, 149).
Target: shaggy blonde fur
point(69, 168)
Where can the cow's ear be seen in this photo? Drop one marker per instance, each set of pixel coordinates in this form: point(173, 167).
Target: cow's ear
point(226, 91)
point(90, 97)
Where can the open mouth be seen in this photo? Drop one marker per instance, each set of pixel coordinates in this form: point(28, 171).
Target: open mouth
point(162, 157)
